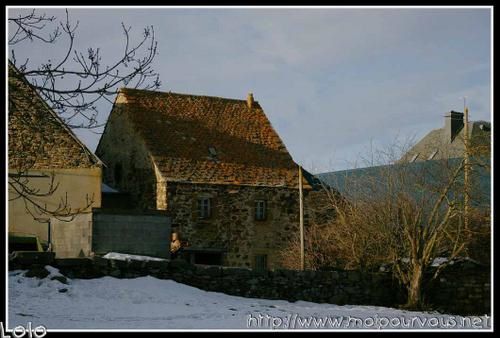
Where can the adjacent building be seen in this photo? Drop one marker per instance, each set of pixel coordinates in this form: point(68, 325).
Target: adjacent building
point(448, 141)
point(426, 168)
point(429, 161)
point(54, 180)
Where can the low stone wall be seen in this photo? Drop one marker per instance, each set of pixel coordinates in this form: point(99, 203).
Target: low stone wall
point(463, 288)
point(464, 291)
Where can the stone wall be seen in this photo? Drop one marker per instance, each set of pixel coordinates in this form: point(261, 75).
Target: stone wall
point(463, 286)
point(128, 166)
point(132, 233)
point(334, 287)
point(232, 227)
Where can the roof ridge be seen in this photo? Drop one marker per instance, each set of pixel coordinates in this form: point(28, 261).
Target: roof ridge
point(182, 94)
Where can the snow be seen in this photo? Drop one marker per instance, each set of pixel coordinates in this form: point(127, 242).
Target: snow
point(127, 257)
point(440, 261)
point(107, 188)
point(151, 303)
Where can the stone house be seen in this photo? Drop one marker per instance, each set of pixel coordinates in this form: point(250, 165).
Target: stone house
point(51, 174)
point(216, 165)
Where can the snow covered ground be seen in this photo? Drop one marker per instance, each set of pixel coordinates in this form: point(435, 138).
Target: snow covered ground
point(125, 257)
point(150, 303)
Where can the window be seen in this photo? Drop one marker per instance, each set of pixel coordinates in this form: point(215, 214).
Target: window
point(431, 156)
point(414, 158)
point(260, 210)
point(212, 151)
point(204, 207)
point(260, 262)
point(213, 154)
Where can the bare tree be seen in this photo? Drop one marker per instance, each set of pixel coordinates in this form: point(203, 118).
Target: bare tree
point(404, 214)
point(71, 84)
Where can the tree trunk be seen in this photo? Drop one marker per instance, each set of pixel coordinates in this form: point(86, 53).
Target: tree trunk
point(415, 288)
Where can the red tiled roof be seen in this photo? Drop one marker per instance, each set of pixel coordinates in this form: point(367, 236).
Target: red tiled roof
point(178, 130)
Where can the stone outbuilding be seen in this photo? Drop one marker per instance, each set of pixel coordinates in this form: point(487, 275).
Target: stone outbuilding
point(216, 165)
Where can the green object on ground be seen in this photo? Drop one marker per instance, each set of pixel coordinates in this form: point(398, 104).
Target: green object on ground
point(24, 242)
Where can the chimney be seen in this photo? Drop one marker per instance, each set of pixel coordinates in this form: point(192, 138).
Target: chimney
point(121, 97)
point(453, 124)
point(250, 100)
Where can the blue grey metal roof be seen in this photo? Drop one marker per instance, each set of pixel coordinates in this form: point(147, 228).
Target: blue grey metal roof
point(355, 183)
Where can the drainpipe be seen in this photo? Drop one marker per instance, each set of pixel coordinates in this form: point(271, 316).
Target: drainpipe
point(301, 221)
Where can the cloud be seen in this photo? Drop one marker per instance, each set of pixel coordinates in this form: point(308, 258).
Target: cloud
point(330, 80)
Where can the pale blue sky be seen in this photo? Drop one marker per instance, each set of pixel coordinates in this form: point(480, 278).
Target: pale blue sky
point(330, 80)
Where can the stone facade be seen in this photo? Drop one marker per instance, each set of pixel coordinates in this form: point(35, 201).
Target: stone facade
point(232, 227)
point(129, 166)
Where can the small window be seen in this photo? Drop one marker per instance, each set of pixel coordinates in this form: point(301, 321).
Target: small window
point(306, 218)
point(212, 151)
point(260, 262)
point(414, 157)
point(431, 156)
point(204, 208)
point(260, 210)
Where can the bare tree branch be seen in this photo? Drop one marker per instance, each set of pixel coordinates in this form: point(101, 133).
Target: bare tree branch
point(72, 86)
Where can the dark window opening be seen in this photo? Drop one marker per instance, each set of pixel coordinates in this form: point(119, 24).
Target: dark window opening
point(260, 210)
point(260, 262)
point(306, 219)
point(204, 208)
point(212, 151)
point(213, 154)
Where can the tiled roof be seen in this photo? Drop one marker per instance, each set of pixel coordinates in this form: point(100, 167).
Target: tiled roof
point(38, 138)
point(209, 139)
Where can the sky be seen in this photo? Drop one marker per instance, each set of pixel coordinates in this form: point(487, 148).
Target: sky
point(334, 82)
